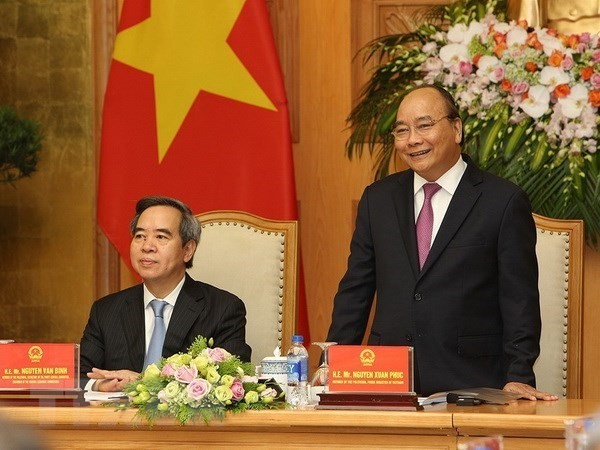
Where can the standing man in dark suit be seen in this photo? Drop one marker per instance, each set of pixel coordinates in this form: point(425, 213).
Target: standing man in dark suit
point(165, 234)
point(467, 301)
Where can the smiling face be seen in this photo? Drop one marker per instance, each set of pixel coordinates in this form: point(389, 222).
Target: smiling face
point(157, 251)
point(432, 145)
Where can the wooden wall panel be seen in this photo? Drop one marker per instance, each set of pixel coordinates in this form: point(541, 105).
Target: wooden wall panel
point(375, 18)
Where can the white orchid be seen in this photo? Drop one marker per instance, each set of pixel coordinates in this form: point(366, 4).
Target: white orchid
point(572, 105)
point(516, 36)
point(452, 54)
point(491, 67)
point(536, 104)
point(549, 42)
point(553, 76)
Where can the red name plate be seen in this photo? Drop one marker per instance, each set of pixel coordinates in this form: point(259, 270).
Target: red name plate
point(358, 368)
point(39, 366)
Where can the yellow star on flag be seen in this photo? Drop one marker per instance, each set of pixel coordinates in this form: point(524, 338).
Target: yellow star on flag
point(183, 44)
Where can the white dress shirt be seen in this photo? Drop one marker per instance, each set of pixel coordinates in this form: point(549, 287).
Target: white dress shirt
point(170, 299)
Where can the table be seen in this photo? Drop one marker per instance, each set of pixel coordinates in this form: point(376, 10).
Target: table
point(525, 425)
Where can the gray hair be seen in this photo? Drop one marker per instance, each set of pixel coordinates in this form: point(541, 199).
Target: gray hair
point(189, 228)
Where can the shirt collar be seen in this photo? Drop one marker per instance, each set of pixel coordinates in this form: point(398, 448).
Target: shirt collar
point(171, 298)
point(448, 181)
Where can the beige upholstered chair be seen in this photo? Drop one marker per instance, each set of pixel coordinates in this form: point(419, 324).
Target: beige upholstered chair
point(560, 259)
point(255, 259)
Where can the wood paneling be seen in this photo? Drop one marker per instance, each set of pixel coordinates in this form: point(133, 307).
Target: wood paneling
point(375, 18)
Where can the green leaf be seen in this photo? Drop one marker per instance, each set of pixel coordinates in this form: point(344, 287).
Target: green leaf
point(540, 152)
point(516, 139)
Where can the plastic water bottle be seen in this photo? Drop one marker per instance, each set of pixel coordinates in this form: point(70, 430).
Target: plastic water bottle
point(297, 376)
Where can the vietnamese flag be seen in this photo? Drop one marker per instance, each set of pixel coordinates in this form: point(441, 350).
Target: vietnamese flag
point(195, 108)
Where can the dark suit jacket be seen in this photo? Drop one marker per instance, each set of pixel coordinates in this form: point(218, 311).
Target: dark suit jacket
point(114, 337)
point(472, 314)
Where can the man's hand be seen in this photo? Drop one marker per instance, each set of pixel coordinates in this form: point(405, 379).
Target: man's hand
point(528, 392)
point(111, 380)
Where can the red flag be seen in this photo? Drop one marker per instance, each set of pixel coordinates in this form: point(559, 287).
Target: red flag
point(195, 108)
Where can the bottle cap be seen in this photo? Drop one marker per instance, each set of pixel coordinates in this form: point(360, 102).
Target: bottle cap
point(297, 338)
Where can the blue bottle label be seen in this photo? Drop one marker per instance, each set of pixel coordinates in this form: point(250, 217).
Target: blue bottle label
point(294, 370)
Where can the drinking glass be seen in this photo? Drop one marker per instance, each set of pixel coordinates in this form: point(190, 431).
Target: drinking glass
point(321, 375)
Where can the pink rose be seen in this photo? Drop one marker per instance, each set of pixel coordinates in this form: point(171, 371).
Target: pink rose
point(567, 62)
point(465, 68)
point(585, 37)
point(519, 88)
point(595, 80)
point(217, 354)
point(596, 56)
point(238, 390)
point(185, 374)
point(168, 370)
point(498, 74)
point(198, 389)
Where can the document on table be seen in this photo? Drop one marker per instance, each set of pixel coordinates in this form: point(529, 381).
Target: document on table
point(95, 396)
point(486, 395)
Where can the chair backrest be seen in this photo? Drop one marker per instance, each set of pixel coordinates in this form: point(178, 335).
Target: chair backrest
point(559, 251)
point(255, 259)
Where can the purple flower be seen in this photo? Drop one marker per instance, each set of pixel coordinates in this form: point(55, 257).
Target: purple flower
point(198, 388)
point(185, 374)
point(238, 390)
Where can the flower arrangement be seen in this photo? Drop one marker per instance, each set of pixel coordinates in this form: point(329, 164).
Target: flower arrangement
point(203, 383)
point(529, 100)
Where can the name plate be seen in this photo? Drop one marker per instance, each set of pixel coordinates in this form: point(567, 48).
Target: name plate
point(39, 366)
point(358, 368)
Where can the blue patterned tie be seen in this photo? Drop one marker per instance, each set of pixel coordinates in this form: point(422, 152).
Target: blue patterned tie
point(158, 334)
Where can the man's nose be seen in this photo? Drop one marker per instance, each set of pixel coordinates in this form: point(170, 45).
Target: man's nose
point(148, 245)
point(413, 136)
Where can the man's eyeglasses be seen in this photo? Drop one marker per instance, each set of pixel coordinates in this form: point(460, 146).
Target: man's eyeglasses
point(402, 131)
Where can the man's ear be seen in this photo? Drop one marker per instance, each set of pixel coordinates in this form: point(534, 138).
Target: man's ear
point(458, 130)
point(189, 249)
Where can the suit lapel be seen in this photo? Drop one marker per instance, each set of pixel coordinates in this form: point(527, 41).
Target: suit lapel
point(460, 206)
point(404, 203)
point(133, 323)
point(188, 307)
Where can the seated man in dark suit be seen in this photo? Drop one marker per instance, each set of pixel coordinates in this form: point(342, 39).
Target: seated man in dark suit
point(120, 329)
